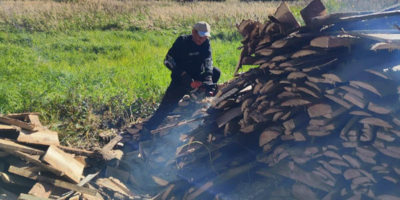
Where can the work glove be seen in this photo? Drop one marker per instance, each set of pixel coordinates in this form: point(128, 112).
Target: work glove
point(208, 80)
point(186, 79)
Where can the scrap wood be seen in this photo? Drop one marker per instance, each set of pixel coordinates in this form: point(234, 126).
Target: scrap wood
point(21, 116)
point(30, 197)
point(41, 137)
point(112, 143)
point(116, 186)
point(19, 123)
point(4, 127)
point(55, 182)
point(76, 151)
point(41, 189)
point(36, 162)
point(177, 124)
point(34, 119)
point(72, 168)
point(83, 182)
point(10, 145)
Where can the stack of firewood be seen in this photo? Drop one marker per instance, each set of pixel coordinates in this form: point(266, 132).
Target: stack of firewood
point(33, 165)
point(323, 101)
point(318, 115)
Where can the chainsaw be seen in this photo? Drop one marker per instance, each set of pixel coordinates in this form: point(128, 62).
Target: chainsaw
point(203, 90)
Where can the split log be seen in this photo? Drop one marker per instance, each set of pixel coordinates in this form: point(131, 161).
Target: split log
point(319, 110)
point(65, 162)
point(285, 17)
point(314, 9)
point(55, 182)
point(301, 176)
point(228, 116)
point(335, 41)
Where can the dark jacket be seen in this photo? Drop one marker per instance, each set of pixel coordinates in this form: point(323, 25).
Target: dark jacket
point(185, 55)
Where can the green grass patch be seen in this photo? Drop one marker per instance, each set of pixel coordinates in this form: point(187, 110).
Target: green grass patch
point(68, 76)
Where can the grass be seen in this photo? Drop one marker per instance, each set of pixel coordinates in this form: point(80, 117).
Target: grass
point(93, 64)
point(67, 77)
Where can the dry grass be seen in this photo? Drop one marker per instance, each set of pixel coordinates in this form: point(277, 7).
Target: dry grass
point(92, 14)
point(365, 5)
point(138, 14)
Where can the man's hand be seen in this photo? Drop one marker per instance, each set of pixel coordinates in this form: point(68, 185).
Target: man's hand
point(196, 84)
point(186, 79)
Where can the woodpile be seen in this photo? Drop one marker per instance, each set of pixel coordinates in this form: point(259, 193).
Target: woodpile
point(318, 115)
point(33, 165)
point(316, 118)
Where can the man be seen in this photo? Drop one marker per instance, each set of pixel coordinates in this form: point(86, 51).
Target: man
point(190, 62)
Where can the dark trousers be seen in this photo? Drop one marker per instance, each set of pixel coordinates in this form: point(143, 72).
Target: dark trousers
point(169, 102)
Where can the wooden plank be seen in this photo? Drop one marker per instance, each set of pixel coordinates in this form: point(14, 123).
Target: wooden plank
point(34, 119)
point(338, 100)
point(336, 112)
point(360, 113)
point(19, 123)
point(36, 162)
point(21, 116)
point(228, 116)
point(349, 125)
point(314, 9)
point(83, 182)
point(378, 109)
point(317, 110)
point(114, 185)
point(383, 45)
point(4, 128)
point(9, 145)
point(334, 41)
point(41, 189)
point(55, 182)
point(42, 137)
point(376, 122)
point(379, 87)
point(285, 17)
point(301, 176)
point(112, 143)
point(293, 124)
point(356, 100)
point(64, 162)
point(246, 27)
point(30, 197)
point(320, 68)
point(267, 136)
point(75, 151)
